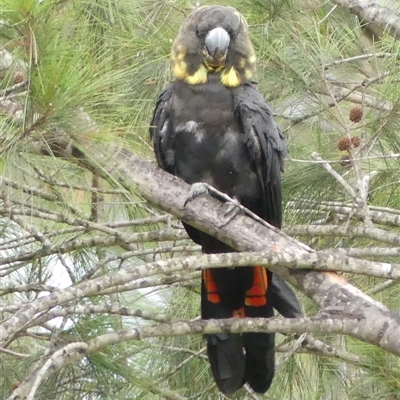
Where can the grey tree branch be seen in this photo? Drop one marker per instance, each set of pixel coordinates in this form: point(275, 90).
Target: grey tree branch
point(108, 309)
point(272, 257)
point(350, 231)
point(327, 289)
point(337, 176)
point(368, 251)
point(103, 241)
point(391, 218)
point(375, 13)
point(332, 321)
point(315, 346)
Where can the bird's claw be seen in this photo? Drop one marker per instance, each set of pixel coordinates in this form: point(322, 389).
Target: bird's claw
point(200, 188)
point(233, 206)
point(197, 189)
point(232, 209)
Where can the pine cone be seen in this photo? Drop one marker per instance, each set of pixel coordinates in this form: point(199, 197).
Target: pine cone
point(19, 77)
point(356, 113)
point(344, 143)
point(355, 141)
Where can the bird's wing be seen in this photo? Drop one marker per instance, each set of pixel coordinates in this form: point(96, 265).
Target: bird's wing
point(267, 147)
point(159, 128)
point(283, 298)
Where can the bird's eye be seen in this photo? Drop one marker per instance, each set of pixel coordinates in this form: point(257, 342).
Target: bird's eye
point(201, 33)
point(232, 32)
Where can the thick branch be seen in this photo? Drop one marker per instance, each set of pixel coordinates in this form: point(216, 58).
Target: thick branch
point(271, 258)
point(329, 322)
point(101, 241)
point(345, 231)
point(374, 13)
point(378, 217)
point(241, 232)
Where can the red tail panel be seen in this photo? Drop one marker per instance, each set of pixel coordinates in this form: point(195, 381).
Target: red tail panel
point(211, 287)
point(256, 295)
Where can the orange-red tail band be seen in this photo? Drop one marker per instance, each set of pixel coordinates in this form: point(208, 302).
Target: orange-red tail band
point(211, 287)
point(257, 295)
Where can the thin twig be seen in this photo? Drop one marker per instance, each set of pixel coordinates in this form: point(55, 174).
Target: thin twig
point(337, 176)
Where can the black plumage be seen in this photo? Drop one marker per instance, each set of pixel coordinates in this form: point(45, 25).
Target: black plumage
point(211, 125)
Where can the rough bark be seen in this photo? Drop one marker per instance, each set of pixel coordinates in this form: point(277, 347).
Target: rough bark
point(324, 323)
point(361, 316)
point(328, 289)
point(374, 13)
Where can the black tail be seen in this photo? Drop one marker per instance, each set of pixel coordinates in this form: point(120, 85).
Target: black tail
point(237, 292)
point(232, 367)
point(260, 360)
point(227, 360)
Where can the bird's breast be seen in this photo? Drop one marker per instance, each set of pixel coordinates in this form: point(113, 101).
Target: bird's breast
point(208, 142)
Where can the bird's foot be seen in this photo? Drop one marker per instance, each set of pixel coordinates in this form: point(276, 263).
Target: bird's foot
point(199, 188)
point(233, 207)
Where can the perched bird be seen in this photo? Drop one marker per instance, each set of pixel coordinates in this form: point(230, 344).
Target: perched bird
point(211, 125)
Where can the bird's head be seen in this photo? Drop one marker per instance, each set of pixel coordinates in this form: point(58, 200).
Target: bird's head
point(213, 39)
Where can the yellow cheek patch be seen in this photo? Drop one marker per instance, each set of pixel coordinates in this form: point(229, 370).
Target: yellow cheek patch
point(179, 68)
point(181, 56)
point(178, 51)
point(230, 78)
point(248, 73)
point(242, 63)
point(200, 76)
point(211, 68)
point(251, 59)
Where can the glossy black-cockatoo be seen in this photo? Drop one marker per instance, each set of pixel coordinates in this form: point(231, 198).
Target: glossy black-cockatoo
point(211, 125)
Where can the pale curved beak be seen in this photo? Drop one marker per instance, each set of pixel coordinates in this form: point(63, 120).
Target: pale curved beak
point(217, 42)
